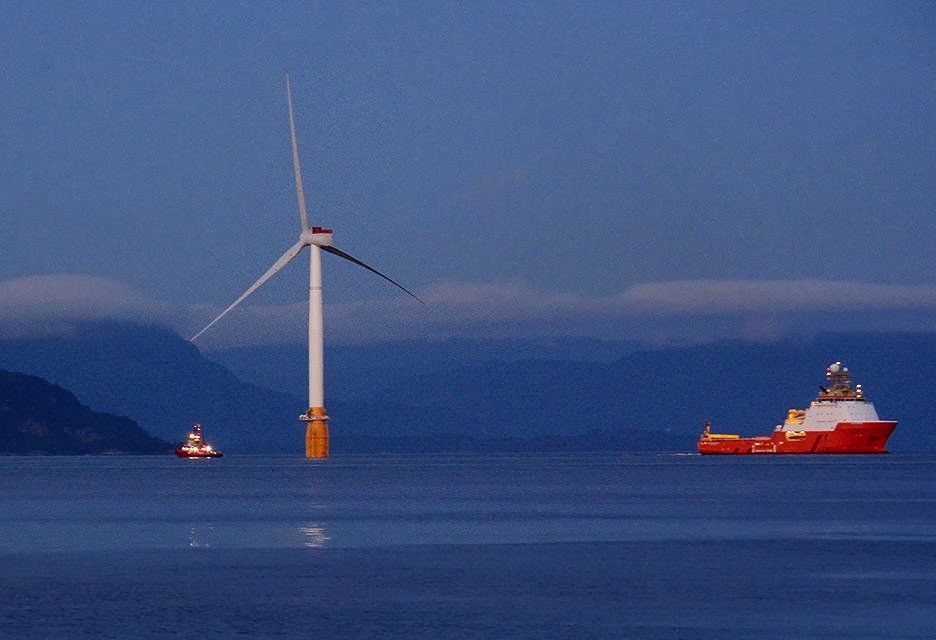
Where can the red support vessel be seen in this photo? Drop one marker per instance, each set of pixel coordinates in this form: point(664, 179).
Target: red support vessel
point(839, 420)
point(196, 447)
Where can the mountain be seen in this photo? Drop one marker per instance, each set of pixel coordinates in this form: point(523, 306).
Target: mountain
point(37, 417)
point(355, 371)
point(659, 399)
point(547, 395)
point(503, 396)
point(161, 381)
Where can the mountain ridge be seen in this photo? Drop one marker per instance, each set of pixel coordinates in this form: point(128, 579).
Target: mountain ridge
point(647, 400)
point(39, 418)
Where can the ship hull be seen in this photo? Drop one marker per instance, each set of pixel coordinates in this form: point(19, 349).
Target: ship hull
point(847, 437)
point(198, 454)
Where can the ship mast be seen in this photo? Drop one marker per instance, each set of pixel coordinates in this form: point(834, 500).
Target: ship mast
point(839, 381)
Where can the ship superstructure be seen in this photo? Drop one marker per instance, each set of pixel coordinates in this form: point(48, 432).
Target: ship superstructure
point(840, 420)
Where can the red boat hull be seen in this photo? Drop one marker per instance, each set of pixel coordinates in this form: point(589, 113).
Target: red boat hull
point(201, 454)
point(847, 437)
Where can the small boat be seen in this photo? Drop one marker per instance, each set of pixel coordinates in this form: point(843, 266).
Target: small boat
point(196, 447)
point(839, 420)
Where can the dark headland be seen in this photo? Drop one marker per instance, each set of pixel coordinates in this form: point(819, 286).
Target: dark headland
point(39, 418)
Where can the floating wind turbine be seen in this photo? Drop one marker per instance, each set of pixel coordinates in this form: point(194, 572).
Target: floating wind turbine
point(317, 239)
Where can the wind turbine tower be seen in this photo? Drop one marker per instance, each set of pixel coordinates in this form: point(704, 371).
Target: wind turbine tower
point(318, 239)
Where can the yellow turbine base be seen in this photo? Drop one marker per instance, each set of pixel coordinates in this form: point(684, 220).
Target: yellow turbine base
point(316, 442)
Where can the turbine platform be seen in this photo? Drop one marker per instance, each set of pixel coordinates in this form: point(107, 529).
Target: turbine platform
point(316, 441)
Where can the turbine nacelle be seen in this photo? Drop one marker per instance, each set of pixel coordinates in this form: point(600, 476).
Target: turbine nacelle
point(319, 236)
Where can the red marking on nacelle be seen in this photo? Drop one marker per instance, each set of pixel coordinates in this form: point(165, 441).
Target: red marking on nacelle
point(321, 230)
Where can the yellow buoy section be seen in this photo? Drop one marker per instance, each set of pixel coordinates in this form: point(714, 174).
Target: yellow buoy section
point(316, 443)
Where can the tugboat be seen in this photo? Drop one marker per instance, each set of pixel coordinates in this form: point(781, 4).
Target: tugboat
point(196, 447)
point(839, 420)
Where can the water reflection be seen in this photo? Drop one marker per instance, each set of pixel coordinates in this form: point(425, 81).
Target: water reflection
point(314, 536)
point(198, 536)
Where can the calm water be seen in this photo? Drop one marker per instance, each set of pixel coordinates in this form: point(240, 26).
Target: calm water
point(578, 546)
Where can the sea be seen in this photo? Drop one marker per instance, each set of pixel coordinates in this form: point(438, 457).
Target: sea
point(468, 546)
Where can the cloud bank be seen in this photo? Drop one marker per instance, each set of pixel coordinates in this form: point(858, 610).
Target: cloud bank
point(663, 313)
point(45, 305)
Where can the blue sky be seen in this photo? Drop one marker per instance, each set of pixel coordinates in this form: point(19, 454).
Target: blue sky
point(538, 167)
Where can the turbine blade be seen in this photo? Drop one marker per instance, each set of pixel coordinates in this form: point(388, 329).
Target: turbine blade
point(297, 169)
point(341, 254)
point(284, 259)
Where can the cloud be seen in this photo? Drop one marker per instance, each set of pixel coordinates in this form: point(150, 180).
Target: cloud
point(663, 312)
point(44, 305)
point(780, 296)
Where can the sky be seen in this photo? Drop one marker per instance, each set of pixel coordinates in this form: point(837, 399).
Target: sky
point(670, 171)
